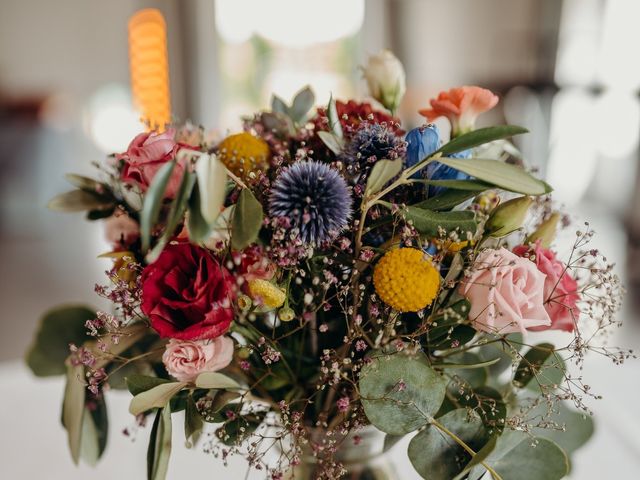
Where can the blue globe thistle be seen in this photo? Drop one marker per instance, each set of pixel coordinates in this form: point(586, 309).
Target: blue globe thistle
point(372, 142)
point(314, 197)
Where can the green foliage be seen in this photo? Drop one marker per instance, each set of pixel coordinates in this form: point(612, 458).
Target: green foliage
point(479, 137)
point(302, 103)
point(334, 121)
point(95, 430)
point(247, 220)
point(574, 428)
point(515, 457)
point(332, 142)
point(152, 203)
point(504, 175)
point(73, 409)
point(81, 200)
point(541, 363)
point(193, 422)
point(216, 380)
point(400, 391)
point(159, 449)
point(429, 222)
point(137, 384)
point(469, 185)
point(239, 427)
point(156, 397)
point(197, 226)
point(446, 200)
point(58, 328)
point(436, 455)
point(383, 171)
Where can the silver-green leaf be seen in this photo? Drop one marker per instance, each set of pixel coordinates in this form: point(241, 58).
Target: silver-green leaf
point(247, 220)
point(383, 171)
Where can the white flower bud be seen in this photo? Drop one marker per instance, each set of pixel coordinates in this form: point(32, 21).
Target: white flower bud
point(386, 79)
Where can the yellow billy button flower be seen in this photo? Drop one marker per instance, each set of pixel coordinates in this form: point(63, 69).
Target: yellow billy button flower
point(406, 280)
point(267, 293)
point(242, 153)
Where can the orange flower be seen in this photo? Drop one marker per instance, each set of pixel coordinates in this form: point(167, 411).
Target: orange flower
point(461, 106)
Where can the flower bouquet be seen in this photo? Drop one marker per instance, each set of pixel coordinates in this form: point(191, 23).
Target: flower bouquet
point(296, 291)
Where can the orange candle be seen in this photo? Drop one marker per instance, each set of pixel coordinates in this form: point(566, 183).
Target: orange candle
point(149, 67)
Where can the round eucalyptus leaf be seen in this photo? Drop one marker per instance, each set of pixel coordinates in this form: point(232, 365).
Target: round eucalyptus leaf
point(436, 455)
point(400, 392)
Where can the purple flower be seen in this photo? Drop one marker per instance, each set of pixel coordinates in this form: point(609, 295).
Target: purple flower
point(314, 197)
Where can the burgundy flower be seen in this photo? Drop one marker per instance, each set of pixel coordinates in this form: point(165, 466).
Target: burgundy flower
point(187, 294)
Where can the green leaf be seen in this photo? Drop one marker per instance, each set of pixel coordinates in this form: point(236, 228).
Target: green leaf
point(487, 402)
point(541, 363)
point(436, 456)
point(212, 183)
point(137, 384)
point(578, 427)
point(95, 430)
point(241, 427)
point(156, 397)
point(446, 200)
point(153, 202)
point(428, 222)
point(302, 103)
point(449, 317)
point(504, 175)
point(333, 143)
point(468, 366)
point(192, 422)
point(198, 228)
point(479, 137)
point(58, 328)
point(159, 450)
point(73, 409)
point(80, 200)
point(216, 380)
point(479, 457)
point(383, 172)
point(514, 457)
point(399, 392)
point(278, 105)
point(176, 215)
point(470, 185)
point(390, 441)
point(100, 214)
point(334, 121)
point(247, 220)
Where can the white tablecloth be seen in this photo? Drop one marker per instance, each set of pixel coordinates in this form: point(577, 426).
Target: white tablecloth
point(33, 443)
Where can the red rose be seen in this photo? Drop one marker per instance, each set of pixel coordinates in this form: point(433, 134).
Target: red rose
point(146, 154)
point(187, 294)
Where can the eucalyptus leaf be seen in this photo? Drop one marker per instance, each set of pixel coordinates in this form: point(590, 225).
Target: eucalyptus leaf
point(153, 202)
point(479, 457)
point(58, 328)
point(383, 172)
point(399, 392)
point(302, 103)
point(541, 363)
point(73, 409)
point(95, 431)
point(574, 428)
point(278, 105)
point(159, 450)
point(247, 220)
point(436, 455)
point(156, 397)
point(216, 380)
point(333, 143)
point(479, 137)
point(516, 457)
point(446, 200)
point(390, 441)
point(501, 174)
point(429, 222)
point(80, 200)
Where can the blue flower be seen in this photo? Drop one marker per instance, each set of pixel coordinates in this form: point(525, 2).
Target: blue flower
point(421, 142)
point(314, 197)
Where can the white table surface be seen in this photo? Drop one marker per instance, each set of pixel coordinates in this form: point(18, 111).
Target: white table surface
point(33, 443)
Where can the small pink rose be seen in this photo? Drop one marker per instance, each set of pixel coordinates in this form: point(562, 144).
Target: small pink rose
point(186, 359)
point(560, 288)
point(506, 293)
point(121, 231)
point(146, 154)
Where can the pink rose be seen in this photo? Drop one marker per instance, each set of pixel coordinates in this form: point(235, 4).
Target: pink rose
point(146, 154)
point(121, 231)
point(560, 288)
point(506, 293)
point(186, 359)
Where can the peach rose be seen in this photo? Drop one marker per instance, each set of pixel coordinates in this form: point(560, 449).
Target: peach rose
point(560, 288)
point(461, 106)
point(506, 293)
point(186, 359)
